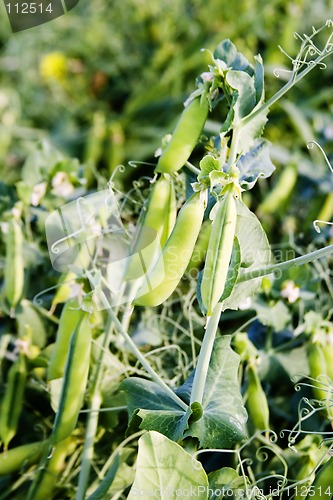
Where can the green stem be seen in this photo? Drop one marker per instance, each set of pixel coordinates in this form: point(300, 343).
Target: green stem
point(92, 417)
point(293, 81)
point(88, 447)
point(201, 369)
point(154, 375)
point(233, 147)
point(193, 169)
point(298, 261)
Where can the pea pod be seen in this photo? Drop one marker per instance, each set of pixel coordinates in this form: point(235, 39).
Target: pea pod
point(328, 355)
point(47, 475)
point(157, 225)
point(322, 487)
point(69, 318)
point(170, 215)
point(318, 368)
point(257, 402)
point(185, 136)
point(14, 265)
point(74, 381)
point(200, 248)
point(173, 261)
point(27, 454)
point(12, 403)
point(219, 252)
point(65, 286)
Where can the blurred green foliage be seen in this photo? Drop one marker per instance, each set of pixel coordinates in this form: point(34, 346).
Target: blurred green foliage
point(106, 81)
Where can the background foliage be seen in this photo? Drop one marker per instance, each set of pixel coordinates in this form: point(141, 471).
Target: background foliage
point(100, 87)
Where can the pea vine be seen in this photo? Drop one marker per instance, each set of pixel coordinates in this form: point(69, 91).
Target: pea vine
point(206, 413)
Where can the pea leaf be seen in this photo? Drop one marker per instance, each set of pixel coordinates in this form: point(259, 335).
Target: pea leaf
point(227, 52)
point(224, 416)
point(154, 407)
point(164, 468)
point(227, 480)
point(250, 131)
point(208, 164)
point(254, 164)
point(259, 79)
point(105, 484)
point(246, 93)
point(255, 252)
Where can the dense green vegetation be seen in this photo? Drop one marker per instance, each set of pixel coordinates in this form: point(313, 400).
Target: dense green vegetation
point(214, 380)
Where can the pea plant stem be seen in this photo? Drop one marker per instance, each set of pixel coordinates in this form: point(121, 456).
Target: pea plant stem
point(192, 168)
point(293, 81)
point(201, 369)
point(92, 417)
point(282, 266)
point(154, 375)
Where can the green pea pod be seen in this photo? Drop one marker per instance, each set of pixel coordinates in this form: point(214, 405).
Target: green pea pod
point(26, 455)
point(69, 318)
point(157, 225)
point(322, 486)
point(328, 355)
point(173, 261)
point(277, 198)
point(219, 252)
point(170, 216)
point(318, 368)
point(185, 136)
point(200, 248)
point(74, 381)
point(14, 265)
point(47, 475)
point(12, 403)
point(65, 286)
point(257, 402)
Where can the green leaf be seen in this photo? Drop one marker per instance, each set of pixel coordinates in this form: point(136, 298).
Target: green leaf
point(157, 411)
point(246, 99)
point(254, 164)
point(30, 323)
point(255, 252)
point(259, 79)
point(207, 164)
point(227, 52)
point(39, 163)
point(164, 470)
point(277, 316)
point(106, 483)
point(227, 480)
point(224, 415)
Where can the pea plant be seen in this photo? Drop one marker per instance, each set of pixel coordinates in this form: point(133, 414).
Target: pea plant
point(197, 258)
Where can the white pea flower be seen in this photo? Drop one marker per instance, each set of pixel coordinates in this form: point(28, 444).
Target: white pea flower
point(61, 185)
point(38, 193)
point(290, 291)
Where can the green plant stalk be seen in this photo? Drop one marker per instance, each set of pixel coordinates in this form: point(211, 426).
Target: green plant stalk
point(205, 354)
point(298, 261)
point(192, 168)
point(92, 417)
point(154, 375)
point(95, 399)
point(293, 81)
point(233, 147)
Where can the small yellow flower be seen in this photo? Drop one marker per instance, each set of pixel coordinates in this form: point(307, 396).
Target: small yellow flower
point(53, 66)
